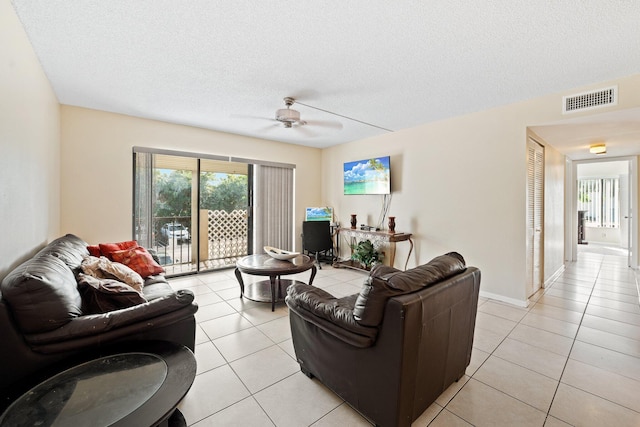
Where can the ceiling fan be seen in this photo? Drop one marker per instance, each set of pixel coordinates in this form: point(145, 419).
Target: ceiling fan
point(288, 116)
point(291, 117)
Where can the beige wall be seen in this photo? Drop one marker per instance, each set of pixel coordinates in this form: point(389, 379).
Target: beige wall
point(30, 147)
point(96, 168)
point(459, 185)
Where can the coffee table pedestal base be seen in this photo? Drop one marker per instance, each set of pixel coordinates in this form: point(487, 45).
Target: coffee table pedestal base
point(261, 291)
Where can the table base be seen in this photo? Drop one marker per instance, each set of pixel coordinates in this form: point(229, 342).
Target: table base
point(261, 291)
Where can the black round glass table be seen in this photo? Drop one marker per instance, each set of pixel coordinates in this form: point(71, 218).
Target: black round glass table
point(140, 388)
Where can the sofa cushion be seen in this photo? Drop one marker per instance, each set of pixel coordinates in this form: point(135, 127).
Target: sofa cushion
point(385, 282)
point(42, 294)
point(106, 249)
point(333, 315)
point(139, 260)
point(102, 268)
point(142, 317)
point(104, 295)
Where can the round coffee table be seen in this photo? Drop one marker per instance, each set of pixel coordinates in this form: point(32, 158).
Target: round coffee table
point(131, 388)
point(274, 289)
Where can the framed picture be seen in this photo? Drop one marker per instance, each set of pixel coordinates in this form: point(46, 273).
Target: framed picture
point(319, 214)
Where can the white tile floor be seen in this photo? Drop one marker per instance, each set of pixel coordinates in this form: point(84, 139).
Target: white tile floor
point(571, 358)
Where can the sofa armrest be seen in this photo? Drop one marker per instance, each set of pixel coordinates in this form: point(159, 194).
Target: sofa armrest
point(100, 323)
point(335, 315)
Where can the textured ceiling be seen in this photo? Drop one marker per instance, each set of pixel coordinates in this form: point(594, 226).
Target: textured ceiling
point(227, 65)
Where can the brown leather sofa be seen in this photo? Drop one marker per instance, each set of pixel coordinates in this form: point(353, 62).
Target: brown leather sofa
point(391, 350)
point(42, 321)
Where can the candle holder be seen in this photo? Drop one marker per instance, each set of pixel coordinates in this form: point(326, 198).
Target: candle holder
point(354, 221)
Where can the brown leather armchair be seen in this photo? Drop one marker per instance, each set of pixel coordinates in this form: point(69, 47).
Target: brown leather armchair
point(391, 350)
point(42, 321)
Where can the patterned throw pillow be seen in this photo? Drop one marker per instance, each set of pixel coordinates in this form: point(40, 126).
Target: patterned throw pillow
point(108, 248)
point(102, 268)
point(139, 260)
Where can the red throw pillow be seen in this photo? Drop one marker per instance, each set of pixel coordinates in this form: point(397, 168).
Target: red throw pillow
point(94, 250)
point(107, 249)
point(139, 260)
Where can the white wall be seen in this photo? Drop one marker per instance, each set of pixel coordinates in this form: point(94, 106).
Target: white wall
point(459, 185)
point(602, 235)
point(96, 172)
point(30, 147)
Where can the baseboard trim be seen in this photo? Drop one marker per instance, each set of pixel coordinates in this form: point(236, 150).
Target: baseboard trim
point(502, 298)
point(555, 275)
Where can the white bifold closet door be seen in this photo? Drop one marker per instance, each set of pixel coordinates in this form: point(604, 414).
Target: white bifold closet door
point(535, 216)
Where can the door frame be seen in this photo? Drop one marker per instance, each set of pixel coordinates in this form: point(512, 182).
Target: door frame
point(571, 207)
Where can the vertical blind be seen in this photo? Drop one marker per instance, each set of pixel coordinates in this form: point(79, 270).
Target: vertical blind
point(143, 197)
point(600, 198)
point(273, 207)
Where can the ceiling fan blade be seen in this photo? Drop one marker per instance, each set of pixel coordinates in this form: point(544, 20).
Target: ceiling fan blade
point(325, 123)
point(271, 127)
point(244, 116)
point(305, 131)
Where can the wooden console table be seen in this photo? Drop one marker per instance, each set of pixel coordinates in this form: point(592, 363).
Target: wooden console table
point(378, 238)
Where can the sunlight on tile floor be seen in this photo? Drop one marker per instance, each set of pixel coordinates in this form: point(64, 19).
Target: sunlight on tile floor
point(571, 358)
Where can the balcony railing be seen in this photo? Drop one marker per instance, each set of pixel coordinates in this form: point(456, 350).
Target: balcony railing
point(223, 239)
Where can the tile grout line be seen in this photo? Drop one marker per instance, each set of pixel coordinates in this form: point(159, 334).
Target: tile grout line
point(477, 369)
point(575, 338)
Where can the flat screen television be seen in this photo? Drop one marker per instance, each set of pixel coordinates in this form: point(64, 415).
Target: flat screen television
point(369, 176)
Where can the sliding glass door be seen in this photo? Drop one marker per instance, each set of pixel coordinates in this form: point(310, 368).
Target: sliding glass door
point(225, 217)
point(202, 212)
point(193, 212)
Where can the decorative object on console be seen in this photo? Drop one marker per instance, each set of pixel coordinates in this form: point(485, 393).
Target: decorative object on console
point(280, 254)
point(365, 254)
point(392, 224)
point(378, 238)
point(354, 221)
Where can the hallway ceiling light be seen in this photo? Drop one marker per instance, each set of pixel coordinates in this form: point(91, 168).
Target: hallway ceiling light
point(598, 149)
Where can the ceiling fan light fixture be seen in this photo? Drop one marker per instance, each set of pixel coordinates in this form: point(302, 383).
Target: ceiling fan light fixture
point(287, 115)
point(598, 149)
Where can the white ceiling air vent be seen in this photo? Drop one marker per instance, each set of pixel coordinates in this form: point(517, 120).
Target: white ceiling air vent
point(590, 100)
